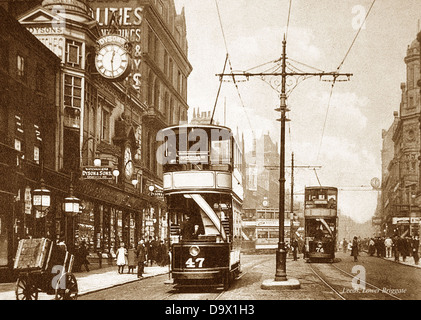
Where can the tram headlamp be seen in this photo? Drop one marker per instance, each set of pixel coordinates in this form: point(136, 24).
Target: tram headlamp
point(194, 251)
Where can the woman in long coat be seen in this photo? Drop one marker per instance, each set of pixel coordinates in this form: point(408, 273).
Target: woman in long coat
point(354, 250)
point(131, 259)
point(141, 258)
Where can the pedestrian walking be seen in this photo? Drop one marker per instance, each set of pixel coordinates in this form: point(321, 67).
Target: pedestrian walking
point(371, 247)
point(161, 254)
point(396, 247)
point(388, 243)
point(345, 245)
point(354, 250)
point(404, 250)
point(83, 256)
point(153, 248)
point(294, 248)
point(131, 259)
point(415, 247)
point(141, 258)
point(121, 256)
point(146, 244)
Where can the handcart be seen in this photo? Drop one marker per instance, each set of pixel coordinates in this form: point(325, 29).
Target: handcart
point(44, 266)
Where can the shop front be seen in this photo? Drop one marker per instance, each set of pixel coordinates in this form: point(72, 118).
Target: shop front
point(110, 216)
point(8, 191)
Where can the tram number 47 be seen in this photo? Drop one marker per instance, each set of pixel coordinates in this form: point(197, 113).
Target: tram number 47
point(192, 264)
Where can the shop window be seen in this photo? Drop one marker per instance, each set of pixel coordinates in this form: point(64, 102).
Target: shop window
point(86, 225)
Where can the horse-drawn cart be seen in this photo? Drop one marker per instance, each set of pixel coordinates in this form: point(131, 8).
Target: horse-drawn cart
point(44, 266)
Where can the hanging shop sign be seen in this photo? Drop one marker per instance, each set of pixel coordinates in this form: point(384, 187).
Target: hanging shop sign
point(400, 220)
point(98, 173)
point(28, 200)
point(376, 221)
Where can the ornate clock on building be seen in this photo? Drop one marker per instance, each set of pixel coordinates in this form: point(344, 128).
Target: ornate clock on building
point(112, 60)
point(128, 162)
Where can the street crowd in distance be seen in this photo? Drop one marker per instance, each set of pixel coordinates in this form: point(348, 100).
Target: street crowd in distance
point(146, 253)
point(388, 247)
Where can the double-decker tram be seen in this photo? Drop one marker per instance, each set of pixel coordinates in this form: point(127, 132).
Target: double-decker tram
point(320, 214)
point(203, 191)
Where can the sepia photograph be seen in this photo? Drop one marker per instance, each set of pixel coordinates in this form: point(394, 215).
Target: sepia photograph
point(212, 157)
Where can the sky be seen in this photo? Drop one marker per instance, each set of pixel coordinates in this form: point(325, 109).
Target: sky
point(343, 136)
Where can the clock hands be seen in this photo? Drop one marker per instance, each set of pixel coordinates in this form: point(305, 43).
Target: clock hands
point(112, 62)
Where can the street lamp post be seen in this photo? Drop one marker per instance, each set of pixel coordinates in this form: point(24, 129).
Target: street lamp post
point(71, 208)
point(281, 274)
point(41, 201)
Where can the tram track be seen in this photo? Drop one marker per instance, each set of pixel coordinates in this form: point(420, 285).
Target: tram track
point(367, 291)
point(204, 292)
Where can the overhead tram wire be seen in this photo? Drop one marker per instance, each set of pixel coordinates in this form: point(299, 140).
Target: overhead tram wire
point(289, 16)
point(219, 90)
point(337, 69)
point(230, 65)
point(358, 32)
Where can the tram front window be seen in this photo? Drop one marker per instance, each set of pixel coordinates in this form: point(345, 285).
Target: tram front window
point(200, 217)
point(319, 229)
point(191, 228)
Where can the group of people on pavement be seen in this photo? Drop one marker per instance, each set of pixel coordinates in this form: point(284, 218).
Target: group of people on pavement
point(396, 246)
point(388, 247)
point(146, 253)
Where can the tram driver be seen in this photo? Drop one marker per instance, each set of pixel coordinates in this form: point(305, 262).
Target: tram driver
point(190, 229)
point(319, 234)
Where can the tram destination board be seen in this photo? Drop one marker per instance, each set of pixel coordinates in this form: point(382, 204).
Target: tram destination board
point(99, 173)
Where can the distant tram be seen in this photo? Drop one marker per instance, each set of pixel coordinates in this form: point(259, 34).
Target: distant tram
point(321, 216)
point(203, 191)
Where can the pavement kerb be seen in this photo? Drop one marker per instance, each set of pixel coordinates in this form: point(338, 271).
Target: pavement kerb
point(400, 262)
point(120, 284)
point(403, 263)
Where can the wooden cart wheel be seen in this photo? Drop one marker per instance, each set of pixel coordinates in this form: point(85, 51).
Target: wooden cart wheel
point(66, 288)
point(25, 289)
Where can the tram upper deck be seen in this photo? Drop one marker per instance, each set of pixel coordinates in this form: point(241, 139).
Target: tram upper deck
point(200, 158)
point(320, 202)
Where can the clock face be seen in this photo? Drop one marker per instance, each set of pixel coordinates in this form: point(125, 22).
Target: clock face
point(112, 61)
point(128, 162)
